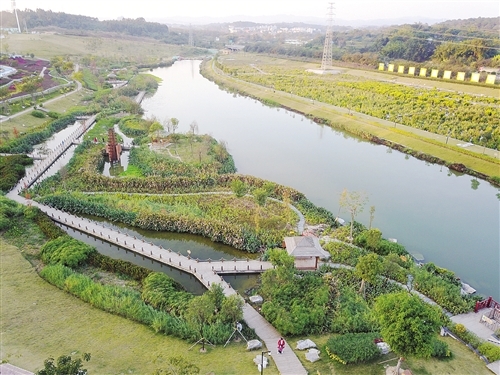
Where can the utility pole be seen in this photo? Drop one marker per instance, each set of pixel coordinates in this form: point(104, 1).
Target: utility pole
point(326, 62)
point(14, 10)
point(191, 39)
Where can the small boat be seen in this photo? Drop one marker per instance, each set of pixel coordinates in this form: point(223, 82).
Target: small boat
point(419, 258)
point(467, 289)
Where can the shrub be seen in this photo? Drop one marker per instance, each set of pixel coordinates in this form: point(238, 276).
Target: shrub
point(469, 337)
point(56, 274)
point(53, 114)
point(9, 210)
point(65, 250)
point(12, 168)
point(351, 314)
point(118, 266)
point(490, 351)
point(388, 247)
point(440, 349)
point(239, 188)
point(46, 225)
point(38, 114)
point(162, 292)
point(353, 347)
point(442, 292)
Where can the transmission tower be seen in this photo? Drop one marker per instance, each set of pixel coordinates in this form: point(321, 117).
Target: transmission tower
point(14, 10)
point(326, 62)
point(191, 39)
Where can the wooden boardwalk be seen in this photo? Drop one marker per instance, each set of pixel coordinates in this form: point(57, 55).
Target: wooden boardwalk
point(39, 169)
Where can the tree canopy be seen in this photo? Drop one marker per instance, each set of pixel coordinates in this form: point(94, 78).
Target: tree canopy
point(407, 323)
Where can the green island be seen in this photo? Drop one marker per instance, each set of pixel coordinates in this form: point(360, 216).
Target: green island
point(61, 297)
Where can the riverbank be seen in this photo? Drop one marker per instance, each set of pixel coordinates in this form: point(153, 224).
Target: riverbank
point(423, 145)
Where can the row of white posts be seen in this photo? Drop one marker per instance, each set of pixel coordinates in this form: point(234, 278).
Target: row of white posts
point(434, 73)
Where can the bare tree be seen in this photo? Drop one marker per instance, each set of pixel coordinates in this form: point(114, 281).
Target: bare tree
point(175, 124)
point(353, 202)
point(167, 124)
point(193, 127)
point(372, 215)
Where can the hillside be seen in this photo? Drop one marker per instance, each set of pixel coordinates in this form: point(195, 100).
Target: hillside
point(41, 18)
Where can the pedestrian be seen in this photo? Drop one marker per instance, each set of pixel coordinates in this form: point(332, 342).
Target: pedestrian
point(281, 345)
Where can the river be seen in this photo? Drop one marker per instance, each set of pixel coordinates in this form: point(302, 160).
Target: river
point(447, 217)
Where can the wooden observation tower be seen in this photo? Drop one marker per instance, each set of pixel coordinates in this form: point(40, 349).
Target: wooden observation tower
point(113, 149)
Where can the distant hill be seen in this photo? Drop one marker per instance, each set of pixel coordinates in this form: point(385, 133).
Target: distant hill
point(41, 18)
point(477, 24)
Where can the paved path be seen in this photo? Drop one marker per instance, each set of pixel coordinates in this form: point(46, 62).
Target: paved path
point(287, 363)
point(8, 369)
point(473, 323)
point(138, 99)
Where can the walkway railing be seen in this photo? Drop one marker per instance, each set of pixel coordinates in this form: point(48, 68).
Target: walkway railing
point(487, 303)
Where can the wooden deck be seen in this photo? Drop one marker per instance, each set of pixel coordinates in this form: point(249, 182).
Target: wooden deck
point(38, 171)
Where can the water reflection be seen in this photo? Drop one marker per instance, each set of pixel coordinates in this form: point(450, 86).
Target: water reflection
point(188, 281)
point(198, 246)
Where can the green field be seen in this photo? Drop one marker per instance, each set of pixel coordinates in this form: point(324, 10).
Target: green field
point(48, 45)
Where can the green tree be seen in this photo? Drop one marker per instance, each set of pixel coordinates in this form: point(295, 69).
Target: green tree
point(368, 269)
point(232, 309)
point(260, 195)
point(156, 127)
point(372, 215)
point(239, 188)
point(373, 238)
point(353, 202)
point(407, 324)
point(200, 312)
point(4, 94)
point(193, 129)
point(31, 85)
point(64, 365)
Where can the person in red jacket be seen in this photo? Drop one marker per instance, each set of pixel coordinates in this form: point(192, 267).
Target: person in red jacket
point(281, 345)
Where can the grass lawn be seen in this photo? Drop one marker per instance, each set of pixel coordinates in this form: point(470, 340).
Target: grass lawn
point(464, 362)
point(188, 150)
point(38, 320)
point(47, 45)
point(60, 104)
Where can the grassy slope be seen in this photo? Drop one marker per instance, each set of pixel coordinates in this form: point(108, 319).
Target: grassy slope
point(362, 122)
point(50, 45)
point(38, 320)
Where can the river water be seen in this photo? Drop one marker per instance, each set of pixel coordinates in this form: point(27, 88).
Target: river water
point(447, 217)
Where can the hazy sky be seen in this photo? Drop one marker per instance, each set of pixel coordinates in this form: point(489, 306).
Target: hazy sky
point(345, 9)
